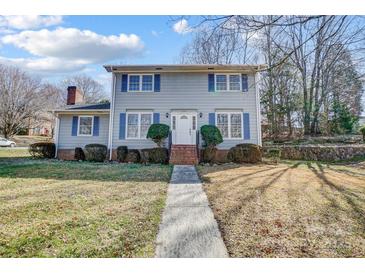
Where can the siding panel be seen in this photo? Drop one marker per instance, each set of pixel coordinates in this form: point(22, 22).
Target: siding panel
point(185, 91)
point(67, 141)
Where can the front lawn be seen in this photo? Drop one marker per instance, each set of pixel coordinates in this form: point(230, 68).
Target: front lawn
point(293, 209)
point(71, 209)
point(11, 153)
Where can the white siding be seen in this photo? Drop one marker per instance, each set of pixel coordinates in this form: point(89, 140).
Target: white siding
point(67, 141)
point(184, 91)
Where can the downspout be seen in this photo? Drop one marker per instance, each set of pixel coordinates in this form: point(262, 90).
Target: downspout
point(57, 129)
point(111, 119)
point(258, 108)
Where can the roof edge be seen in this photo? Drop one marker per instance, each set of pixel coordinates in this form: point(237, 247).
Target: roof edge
point(184, 67)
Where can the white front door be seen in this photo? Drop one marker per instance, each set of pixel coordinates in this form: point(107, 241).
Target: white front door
point(184, 129)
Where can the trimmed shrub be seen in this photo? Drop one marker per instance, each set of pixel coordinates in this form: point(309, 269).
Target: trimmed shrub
point(245, 153)
point(208, 154)
point(211, 135)
point(42, 150)
point(133, 156)
point(362, 130)
point(122, 152)
point(159, 155)
point(79, 154)
point(95, 152)
point(158, 133)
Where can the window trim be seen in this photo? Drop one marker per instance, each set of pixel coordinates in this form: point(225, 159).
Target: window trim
point(139, 124)
point(141, 82)
point(78, 125)
point(229, 124)
point(228, 82)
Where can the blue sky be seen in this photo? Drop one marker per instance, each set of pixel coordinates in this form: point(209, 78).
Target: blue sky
point(40, 44)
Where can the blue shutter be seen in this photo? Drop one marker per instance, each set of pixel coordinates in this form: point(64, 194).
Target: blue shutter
point(156, 118)
point(212, 119)
point(244, 83)
point(124, 82)
point(96, 126)
point(157, 83)
point(75, 121)
point(246, 126)
point(211, 83)
point(122, 126)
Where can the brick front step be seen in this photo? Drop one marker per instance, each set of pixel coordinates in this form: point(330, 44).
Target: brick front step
point(183, 155)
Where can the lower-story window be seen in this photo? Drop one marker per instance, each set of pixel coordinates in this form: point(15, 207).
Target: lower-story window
point(230, 124)
point(85, 125)
point(138, 124)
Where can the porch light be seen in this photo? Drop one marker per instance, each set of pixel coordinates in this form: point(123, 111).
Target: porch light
point(201, 115)
point(167, 115)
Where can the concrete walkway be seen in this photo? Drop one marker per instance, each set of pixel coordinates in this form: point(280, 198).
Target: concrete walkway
point(188, 228)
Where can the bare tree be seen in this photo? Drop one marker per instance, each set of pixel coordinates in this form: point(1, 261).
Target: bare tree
point(20, 99)
point(305, 57)
point(93, 91)
point(221, 46)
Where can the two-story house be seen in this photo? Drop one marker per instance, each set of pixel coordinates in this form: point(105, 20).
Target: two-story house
point(185, 97)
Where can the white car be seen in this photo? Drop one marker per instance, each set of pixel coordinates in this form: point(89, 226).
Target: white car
point(6, 143)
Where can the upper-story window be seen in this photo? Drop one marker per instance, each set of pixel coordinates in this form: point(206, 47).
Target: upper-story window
point(140, 82)
point(228, 82)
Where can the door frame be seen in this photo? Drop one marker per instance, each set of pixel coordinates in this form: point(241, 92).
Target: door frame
point(178, 114)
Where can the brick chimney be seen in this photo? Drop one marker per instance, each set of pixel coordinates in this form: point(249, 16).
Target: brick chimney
point(74, 96)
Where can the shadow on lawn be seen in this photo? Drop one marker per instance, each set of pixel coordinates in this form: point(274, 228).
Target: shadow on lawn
point(250, 200)
point(85, 171)
point(268, 177)
point(348, 195)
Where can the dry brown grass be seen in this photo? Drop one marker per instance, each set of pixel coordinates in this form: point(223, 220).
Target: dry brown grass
point(71, 209)
point(13, 153)
point(290, 209)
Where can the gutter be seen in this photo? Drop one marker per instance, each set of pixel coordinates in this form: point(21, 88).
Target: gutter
point(80, 110)
point(111, 118)
point(258, 108)
point(57, 133)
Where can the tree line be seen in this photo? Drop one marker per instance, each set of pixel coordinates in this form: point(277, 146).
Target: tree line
point(313, 82)
point(26, 101)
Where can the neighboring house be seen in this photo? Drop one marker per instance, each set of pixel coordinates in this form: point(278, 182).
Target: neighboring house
point(185, 97)
point(43, 126)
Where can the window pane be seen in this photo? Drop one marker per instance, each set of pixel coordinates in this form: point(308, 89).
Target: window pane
point(221, 82)
point(194, 122)
point(85, 125)
point(222, 124)
point(146, 121)
point(147, 82)
point(132, 126)
point(134, 82)
point(234, 82)
point(236, 128)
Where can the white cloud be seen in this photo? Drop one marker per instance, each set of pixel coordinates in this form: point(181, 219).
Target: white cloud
point(70, 49)
point(45, 65)
point(29, 21)
point(6, 31)
point(72, 43)
point(156, 33)
point(182, 27)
